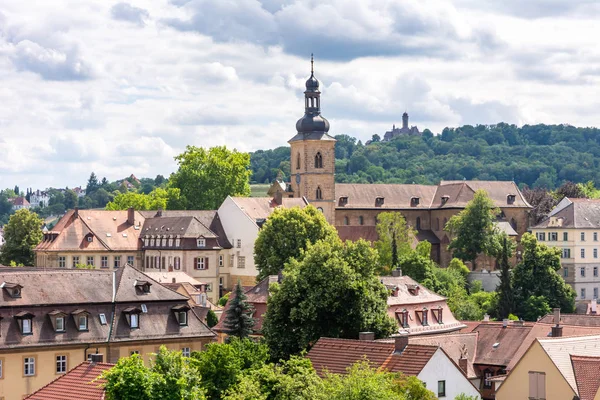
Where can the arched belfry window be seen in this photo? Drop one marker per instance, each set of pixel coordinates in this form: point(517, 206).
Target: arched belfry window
point(319, 194)
point(319, 160)
point(298, 161)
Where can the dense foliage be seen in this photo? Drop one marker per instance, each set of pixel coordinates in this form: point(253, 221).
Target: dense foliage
point(238, 316)
point(534, 155)
point(22, 233)
point(286, 234)
point(395, 239)
point(332, 291)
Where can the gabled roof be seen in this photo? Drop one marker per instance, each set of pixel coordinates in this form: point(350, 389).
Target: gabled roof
point(560, 351)
point(497, 345)
point(587, 376)
point(257, 208)
point(336, 355)
point(184, 226)
point(126, 290)
point(20, 201)
point(79, 383)
point(577, 213)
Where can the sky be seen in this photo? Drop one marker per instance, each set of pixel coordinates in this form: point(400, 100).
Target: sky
point(123, 87)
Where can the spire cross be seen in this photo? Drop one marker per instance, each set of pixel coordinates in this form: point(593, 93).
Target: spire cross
point(312, 64)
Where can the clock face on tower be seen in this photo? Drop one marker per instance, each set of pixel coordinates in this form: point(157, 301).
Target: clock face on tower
point(298, 179)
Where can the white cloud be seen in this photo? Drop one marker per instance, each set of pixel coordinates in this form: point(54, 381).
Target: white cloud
point(121, 87)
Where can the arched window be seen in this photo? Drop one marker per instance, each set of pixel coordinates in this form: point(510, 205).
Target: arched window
point(298, 161)
point(319, 160)
point(319, 194)
point(361, 220)
point(346, 221)
point(418, 223)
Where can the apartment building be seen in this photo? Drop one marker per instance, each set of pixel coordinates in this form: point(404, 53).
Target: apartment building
point(574, 227)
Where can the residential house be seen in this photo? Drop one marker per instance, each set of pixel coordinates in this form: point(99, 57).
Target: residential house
point(256, 296)
point(19, 203)
point(556, 368)
point(573, 226)
point(55, 318)
point(189, 241)
point(242, 218)
point(39, 198)
point(416, 309)
point(353, 208)
point(99, 238)
point(82, 383)
point(430, 364)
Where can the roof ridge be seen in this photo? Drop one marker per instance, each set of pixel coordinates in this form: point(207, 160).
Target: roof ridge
point(92, 232)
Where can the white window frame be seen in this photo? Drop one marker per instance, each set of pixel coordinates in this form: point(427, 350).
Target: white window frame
point(239, 243)
point(27, 322)
point(582, 272)
point(241, 262)
point(61, 364)
point(117, 261)
point(1, 369)
point(102, 317)
point(595, 293)
point(134, 317)
point(220, 260)
point(62, 262)
point(595, 234)
point(183, 318)
point(200, 263)
point(186, 352)
point(582, 236)
point(582, 253)
point(91, 260)
point(84, 326)
point(29, 366)
point(75, 261)
point(200, 242)
point(553, 236)
point(60, 328)
point(104, 262)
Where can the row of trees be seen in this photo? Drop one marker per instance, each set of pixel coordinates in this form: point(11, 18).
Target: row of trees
point(543, 156)
point(240, 370)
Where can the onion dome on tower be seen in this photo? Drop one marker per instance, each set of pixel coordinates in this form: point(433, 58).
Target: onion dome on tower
point(312, 121)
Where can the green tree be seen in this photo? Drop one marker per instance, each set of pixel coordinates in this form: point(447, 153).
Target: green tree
point(21, 234)
point(473, 230)
point(288, 232)
point(221, 365)
point(206, 177)
point(129, 379)
point(506, 301)
point(238, 317)
point(159, 198)
point(92, 184)
point(70, 199)
point(211, 319)
point(395, 239)
point(332, 291)
point(223, 299)
point(536, 275)
point(534, 308)
point(459, 266)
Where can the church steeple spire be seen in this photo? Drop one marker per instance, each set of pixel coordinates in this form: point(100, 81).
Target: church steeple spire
point(312, 120)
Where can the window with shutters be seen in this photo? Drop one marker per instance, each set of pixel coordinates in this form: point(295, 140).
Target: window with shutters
point(565, 236)
point(201, 263)
point(553, 236)
point(537, 385)
point(541, 236)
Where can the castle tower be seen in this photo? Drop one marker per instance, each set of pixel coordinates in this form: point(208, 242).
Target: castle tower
point(405, 120)
point(313, 153)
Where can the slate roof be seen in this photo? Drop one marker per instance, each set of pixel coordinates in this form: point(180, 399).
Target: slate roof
point(461, 192)
point(261, 207)
point(586, 376)
point(580, 214)
point(165, 277)
point(79, 383)
point(573, 319)
point(337, 355)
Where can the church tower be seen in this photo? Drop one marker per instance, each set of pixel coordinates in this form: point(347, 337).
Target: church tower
point(313, 153)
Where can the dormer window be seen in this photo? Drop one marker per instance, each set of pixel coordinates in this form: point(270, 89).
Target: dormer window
point(378, 201)
point(414, 201)
point(437, 313)
point(89, 237)
point(143, 286)
point(57, 318)
point(81, 319)
point(133, 317)
point(413, 289)
point(403, 318)
point(146, 241)
point(13, 289)
point(343, 201)
point(25, 320)
point(422, 315)
point(510, 199)
point(445, 199)
point(181, 314)
point(201, 242)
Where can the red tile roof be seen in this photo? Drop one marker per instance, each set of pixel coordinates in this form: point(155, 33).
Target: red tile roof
point(79, 383)
point(586, 375)
point(337, 355)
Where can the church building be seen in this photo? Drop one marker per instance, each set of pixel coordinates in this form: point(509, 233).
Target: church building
point(353, 208)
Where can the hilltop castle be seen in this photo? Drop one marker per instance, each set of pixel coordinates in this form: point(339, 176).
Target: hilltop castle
point(405, 130)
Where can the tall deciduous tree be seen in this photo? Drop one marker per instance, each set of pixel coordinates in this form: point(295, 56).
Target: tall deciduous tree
point(473, 231)
point(395, 239)
point(238, 317)
point(286, 234)
point(21, 234)
point(159, 198)
point(333, 291)
point(537, 276)
point(506, 300)
point(70, 199)
point(206, 177)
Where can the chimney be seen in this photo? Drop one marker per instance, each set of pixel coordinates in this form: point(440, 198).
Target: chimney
point(131, 216)
point(396, 272)
point(400, 343)
point(277, 198)
point(504, 323)
point(463, 362)
point(76, 212)
point(557, 329)
point(395, 291)
point(366, 336)
point(173, 280)
point(486, 317)
point(159, 212)
point(96, 358)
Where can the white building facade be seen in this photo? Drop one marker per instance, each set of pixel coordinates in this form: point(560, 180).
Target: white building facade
point(444, 378)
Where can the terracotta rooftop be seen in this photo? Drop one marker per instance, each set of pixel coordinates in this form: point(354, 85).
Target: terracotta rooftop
point(573, 319)
point(79, 383)
point(406, 291)
point(586, 376)
point(257, 208)
point(337, 355)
